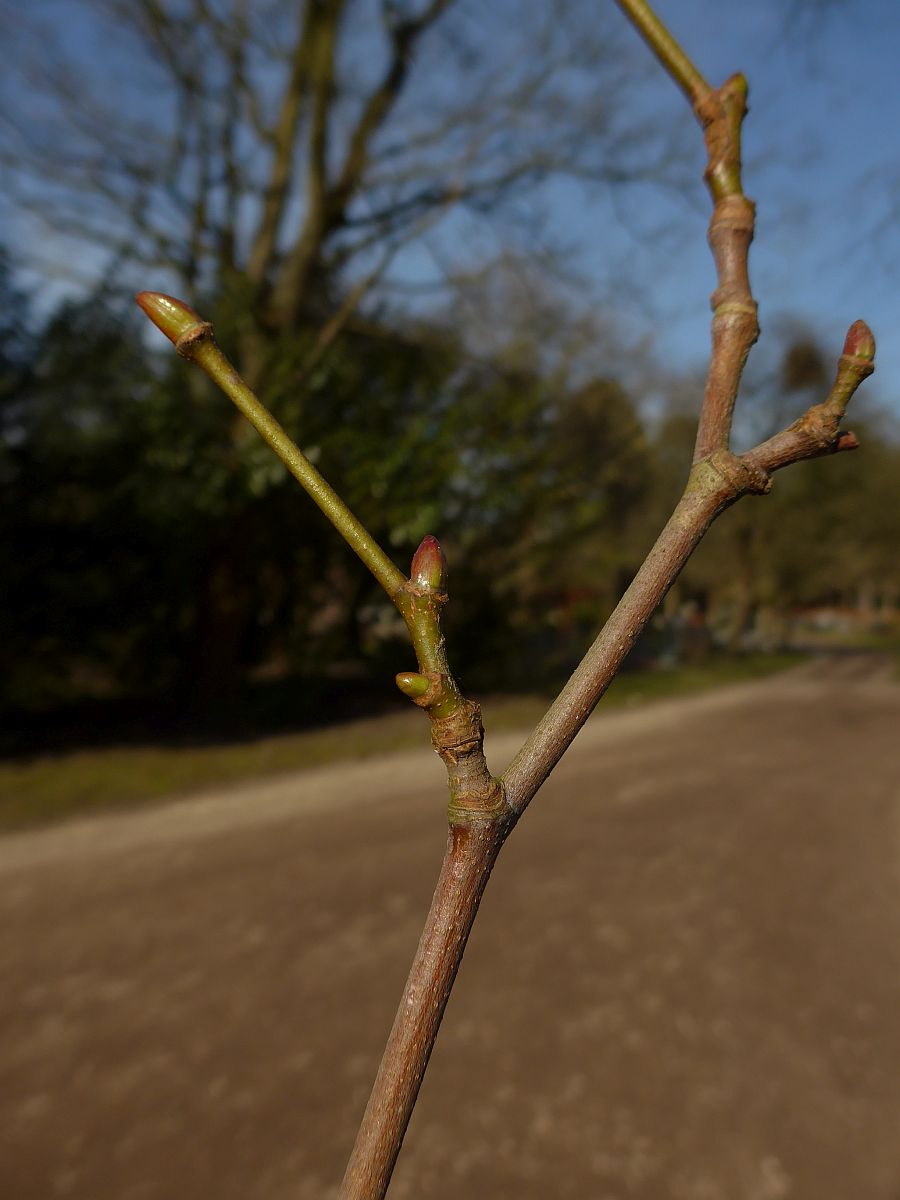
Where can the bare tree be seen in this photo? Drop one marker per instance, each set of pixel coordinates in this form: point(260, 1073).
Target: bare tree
point(278, 153)
point(484, 808)
point(272, 159)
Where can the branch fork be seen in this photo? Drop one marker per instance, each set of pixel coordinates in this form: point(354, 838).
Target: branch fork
point(482, 808)
point(457, 731)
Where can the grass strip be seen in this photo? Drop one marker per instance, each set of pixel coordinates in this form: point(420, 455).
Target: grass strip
point(52, 788)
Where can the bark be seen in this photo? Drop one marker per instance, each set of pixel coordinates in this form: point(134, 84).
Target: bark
point(472, 849)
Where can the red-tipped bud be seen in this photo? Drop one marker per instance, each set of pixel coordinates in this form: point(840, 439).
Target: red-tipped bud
point(846, 440)
point(412, 684)
point(172, 316)
point(429, 567)
point(860, 341)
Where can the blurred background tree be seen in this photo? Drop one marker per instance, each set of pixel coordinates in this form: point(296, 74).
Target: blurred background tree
point(269, 159)
point(356, 193)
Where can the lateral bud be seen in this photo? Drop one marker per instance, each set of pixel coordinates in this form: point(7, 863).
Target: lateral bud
point(173, 317)
point(412, 684)
point(429, 566)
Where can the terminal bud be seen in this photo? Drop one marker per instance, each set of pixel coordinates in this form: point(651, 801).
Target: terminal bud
point(173, 317)
point(860, 341)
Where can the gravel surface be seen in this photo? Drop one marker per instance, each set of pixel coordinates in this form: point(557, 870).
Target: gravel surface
point(684, 983)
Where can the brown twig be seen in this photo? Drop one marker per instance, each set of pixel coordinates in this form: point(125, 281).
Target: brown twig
point(483, 810)
point(818, 431)
point(734, 325)
point(718, 478)
point(472, 849)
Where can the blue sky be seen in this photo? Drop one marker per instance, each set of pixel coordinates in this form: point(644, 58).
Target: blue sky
point(822, 160)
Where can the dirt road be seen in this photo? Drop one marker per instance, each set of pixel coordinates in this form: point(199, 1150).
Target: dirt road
point(684, 983)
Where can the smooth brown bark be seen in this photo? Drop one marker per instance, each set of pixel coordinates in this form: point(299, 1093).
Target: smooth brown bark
point(472, 849)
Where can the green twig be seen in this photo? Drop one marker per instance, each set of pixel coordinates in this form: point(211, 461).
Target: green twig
point(194, 340)
point(666, 49)
point(456, 730)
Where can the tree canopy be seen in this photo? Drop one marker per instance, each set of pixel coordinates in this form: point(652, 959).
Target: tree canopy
point(146, 555)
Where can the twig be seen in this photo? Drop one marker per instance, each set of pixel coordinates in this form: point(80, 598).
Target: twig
point(478, 814)
point(483, 810)
point(735, 327)
point(666, 49)
point(471, 852)
point(194, 340)
point(457, 732)
point(817, 432)
point(718, 477)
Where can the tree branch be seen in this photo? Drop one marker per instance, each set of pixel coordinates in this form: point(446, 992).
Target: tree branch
point(327, 203)
point(718, 478)
point(817, 432)
point(348, 306)
point(289, 290)
point(283, 137)
point(193, 339)
point(666, 49)
point(735, 327)
point(710, 490)
point(471, 852)
point(483, 810)
point(457, 731)
point(478, 814)
point(403, 35)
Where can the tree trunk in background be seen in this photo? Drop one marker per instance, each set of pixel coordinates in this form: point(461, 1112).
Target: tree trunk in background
point(221, 628)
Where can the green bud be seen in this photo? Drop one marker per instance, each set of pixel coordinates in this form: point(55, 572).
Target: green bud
point(412, 684)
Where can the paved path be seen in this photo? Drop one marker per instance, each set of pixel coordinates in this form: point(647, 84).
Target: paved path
point(684, 983)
